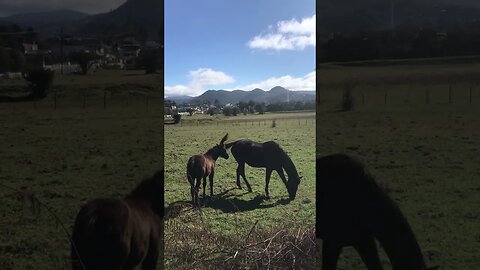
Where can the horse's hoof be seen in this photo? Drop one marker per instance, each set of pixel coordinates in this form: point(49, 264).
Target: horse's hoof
point(250, 190)
point(267, 197)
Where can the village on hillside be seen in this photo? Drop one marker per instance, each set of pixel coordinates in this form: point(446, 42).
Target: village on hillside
point(22, 49)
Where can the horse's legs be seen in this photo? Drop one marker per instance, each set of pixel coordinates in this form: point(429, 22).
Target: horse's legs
point(267, 181)
point(192, 191)
point(192, 187)
point(210, 177)
point(242, 173)
point(369, 253)
point(204, 185)
point(197, 189)
point(330, 253)
point(238, 174)
point(282, 175)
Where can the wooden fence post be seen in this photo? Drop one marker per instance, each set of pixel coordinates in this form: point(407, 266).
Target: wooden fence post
point(427, 95)
point(450, 98)
point(470, 95)
point(104, 99)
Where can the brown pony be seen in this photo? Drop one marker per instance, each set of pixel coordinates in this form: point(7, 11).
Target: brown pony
point(119, 234)
point(201, 166)
point(268, 155)
point(353, 210)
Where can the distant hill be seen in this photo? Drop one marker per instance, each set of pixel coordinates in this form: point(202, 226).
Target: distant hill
point(47, 23)
point(274, 95)
point(352, 16)
point(141, 17)
point(45, 18)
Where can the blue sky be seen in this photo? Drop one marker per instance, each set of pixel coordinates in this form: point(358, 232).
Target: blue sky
point(226, 44)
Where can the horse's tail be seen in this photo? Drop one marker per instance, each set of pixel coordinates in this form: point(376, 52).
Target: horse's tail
point(191, 171)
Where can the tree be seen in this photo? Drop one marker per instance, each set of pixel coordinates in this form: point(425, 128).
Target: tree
point(40, 81)
point(260, 108)
point(84, 59)
point(251, 105)
point(211, 111)
point(11, 60)
point(150, 60)
point(177, 118)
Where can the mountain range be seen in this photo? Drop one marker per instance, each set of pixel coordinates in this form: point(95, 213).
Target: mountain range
point(353, 16)
point(134, 16)
point(275, 95)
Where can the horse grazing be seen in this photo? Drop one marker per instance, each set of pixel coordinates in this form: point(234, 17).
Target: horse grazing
point(267, 155)
point(201, 166)
point(120, 233)
point(353, 210)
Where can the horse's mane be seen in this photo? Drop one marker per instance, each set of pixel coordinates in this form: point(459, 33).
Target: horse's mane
point(287, 163)
point(393, 219)
point(228, 145)
point(150, 190)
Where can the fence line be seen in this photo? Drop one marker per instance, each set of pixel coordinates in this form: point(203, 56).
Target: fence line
point(278, 122)
point(57, 102)
point(398, 96)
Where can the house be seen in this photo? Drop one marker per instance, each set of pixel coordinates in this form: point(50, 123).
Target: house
point(30, 48)
point(128, 51)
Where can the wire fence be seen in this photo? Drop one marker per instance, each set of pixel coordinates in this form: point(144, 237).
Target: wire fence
point(265, 122)
point(55, 101)
point(403, 95)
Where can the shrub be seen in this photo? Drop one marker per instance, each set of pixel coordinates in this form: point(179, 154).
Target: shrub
point(84, 59)
point(348, 101)
point(40, 81)
point(176, 118)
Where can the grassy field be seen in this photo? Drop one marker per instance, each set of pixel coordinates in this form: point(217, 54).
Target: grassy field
point(67, 156)
point(235, 219)
point(427, 154)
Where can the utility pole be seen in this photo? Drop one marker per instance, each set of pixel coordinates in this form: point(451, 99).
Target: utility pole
point(392, 15)
point(61, 50)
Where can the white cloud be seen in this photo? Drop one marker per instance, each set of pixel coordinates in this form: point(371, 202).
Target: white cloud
point(288, 35)
point(306, 82)
point(198, 80)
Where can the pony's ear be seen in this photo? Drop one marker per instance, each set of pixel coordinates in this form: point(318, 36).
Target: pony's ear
point(224, 138)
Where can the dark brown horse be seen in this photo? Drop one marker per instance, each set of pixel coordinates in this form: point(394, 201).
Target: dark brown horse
point(201, 166)
point(353, 210)
point(267, 155)
point(119, 234)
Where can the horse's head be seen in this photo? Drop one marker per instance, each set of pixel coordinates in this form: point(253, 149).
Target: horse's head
point(220, 148)
point(292, 186)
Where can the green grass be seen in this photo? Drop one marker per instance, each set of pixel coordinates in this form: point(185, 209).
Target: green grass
point(233, 212)
point(427, 154)
point(66, 157)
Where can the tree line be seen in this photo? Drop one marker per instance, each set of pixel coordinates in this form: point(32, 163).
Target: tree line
point(405, 41)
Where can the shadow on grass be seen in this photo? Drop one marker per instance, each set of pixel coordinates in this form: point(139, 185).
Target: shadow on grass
point(225, 202)
point(230, 203)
